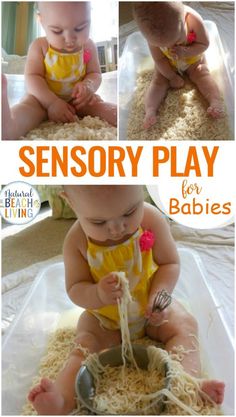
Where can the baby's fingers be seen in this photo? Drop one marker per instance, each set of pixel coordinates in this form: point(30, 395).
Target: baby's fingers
point(75, 92)
point(112, 278)
point(69, 117)
point(118, 293)
point(71, 108)
point(116, 296)
point(78, 102)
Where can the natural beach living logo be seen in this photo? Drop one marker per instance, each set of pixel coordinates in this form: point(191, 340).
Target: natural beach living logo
point(19, 202)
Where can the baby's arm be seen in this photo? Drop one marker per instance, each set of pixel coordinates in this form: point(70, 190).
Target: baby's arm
point(36, 85)
point(199, 46)
point(93, 72)
point(35, 75)
point(162, 63)
point(163, 66)
point(164, 253)
point(80, 286)
point(84, 90)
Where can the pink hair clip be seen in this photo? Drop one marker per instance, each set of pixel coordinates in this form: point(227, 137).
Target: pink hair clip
point(87, 56)
point(146, 240)
point(191, 37)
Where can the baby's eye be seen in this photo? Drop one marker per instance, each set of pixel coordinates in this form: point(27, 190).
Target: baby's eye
point(57, 32)
point(80, 29)
point(98, 222)
point(130, 213)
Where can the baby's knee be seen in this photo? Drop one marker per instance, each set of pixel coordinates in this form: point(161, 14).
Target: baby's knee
point(199, 72)
point(30, 101)
point(189, 325)
point(87, 340)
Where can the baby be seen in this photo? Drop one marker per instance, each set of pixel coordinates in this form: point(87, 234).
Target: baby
point(177, 39)
point(62, 73)
point(117, 231)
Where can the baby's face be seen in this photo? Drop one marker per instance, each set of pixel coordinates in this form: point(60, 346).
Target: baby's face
point(109, 214)
point(66, 24)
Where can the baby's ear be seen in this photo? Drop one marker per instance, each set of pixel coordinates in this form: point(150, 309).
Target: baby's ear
point(65, 197)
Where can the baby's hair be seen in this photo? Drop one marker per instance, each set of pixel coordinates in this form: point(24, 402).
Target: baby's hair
point(38, 3)
point(159, 16)
point(71, 189)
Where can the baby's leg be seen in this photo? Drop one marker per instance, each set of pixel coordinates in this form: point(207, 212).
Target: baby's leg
point(156, 92)
point(181, 330)
point(199, 74)
point(58, 397)
point(21, 118)
point(98, 107)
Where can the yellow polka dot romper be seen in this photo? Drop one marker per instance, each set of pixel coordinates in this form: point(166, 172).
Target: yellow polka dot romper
point(139, 268)
point(63, 71)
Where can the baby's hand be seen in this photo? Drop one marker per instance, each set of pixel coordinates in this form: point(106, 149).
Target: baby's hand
point(180, 51)
point(82, 94)
point(60, 111)
point(176, 82)
point(157, 317)
point(109, 290)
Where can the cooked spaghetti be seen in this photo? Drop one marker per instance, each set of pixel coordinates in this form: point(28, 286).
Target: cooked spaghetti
point(127, 351)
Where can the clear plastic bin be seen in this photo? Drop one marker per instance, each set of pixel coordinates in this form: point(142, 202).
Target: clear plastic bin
point(136, 50)
point(26, 341)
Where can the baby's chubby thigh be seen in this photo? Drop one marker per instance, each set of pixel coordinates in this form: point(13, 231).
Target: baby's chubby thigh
point(92, 336)
point(178, 326)
point(29, 112)
point(198, 71)
point(34, 104)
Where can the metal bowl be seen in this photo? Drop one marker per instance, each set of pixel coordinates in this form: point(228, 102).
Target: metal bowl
point(84, 383)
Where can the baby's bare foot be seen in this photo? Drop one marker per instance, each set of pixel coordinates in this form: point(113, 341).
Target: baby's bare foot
point(216, 109)
point(46, 398)
point(149, 120)
point(214, 389)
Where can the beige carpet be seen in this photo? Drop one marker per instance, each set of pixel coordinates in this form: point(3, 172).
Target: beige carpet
point(182, 116)
point(39, 242)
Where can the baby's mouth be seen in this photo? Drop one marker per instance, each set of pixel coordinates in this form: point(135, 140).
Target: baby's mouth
point(71, 48)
